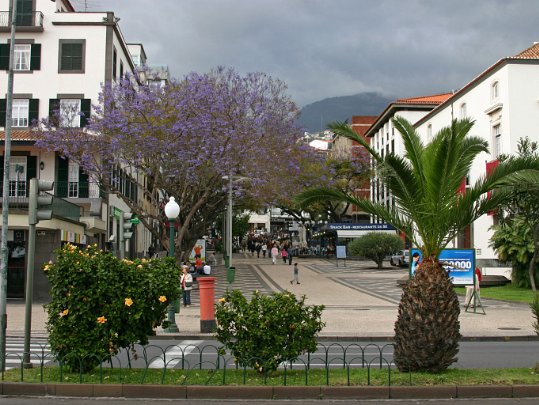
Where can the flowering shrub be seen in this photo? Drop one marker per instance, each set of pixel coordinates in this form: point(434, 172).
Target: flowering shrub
point(267, 330)
point(100, 304)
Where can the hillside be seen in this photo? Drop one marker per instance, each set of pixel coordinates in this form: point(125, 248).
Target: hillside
point(315, 117)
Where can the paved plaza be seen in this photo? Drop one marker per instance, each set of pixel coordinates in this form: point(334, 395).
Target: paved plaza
point(361, 301)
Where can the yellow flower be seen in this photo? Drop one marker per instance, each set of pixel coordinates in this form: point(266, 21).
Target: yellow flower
point(64, 313)
point(101, 319)
point(139, 266)
point(162, 298)
point(222, 300)
point(46, 267)
point(128, 302)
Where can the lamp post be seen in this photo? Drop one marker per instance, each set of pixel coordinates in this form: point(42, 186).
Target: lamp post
point(172, 210)
point(229, 228)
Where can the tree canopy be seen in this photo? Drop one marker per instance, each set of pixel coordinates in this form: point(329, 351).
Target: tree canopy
point(182, 139)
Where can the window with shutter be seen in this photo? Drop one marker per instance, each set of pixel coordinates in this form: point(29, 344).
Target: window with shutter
point(4, 57)
point(2, 113)
point(22, 56)
point(19, 113)
point(25, 13)
point(72, 56)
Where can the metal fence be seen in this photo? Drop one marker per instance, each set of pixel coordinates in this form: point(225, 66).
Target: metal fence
point(218, 366)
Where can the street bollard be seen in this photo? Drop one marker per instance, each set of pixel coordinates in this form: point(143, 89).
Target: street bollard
point(206, 286)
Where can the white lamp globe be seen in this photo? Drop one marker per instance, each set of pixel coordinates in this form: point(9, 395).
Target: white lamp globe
point(172, 209)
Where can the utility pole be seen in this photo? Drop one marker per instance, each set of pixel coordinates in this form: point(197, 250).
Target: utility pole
point(5, 189)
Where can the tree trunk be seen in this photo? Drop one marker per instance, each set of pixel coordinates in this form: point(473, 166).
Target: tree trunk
point(427, 331)
point(531, 268)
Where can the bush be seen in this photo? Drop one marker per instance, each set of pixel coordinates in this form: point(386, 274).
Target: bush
point(100, 304)
point(513, 242)
point(375, 246)
point(267, 330)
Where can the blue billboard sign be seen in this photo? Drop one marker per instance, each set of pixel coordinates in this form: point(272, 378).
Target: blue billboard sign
point(459, 263)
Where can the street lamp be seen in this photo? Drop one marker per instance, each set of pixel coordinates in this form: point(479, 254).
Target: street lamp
point(229, 215)
point(172, 210)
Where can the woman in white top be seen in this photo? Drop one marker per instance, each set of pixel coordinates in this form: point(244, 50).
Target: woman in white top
point(186, 281)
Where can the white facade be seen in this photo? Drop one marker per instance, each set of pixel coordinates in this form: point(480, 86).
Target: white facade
point(64, 58)
point(504, 103)
point(385, 139)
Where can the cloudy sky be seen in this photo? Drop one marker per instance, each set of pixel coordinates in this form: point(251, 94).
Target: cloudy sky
point(326, 48)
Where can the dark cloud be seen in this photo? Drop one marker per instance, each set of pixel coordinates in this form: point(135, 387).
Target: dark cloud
point(325, 48)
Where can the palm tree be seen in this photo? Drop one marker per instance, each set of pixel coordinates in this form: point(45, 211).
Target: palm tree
point(430, 212)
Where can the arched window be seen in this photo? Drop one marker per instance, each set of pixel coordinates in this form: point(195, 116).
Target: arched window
point(495, 91)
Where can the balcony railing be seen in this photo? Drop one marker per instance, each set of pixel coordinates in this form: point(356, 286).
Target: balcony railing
point(32, 20)
point(18, 190)
point(60, 207)
point(77, 189)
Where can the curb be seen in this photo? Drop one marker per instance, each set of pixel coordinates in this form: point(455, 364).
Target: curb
point(268, 392)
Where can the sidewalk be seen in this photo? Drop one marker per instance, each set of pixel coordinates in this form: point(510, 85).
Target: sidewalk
point(361, 302)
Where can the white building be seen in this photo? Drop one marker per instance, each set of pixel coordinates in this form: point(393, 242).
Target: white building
point(504, 103)
point(62, 58)
point(384, 138)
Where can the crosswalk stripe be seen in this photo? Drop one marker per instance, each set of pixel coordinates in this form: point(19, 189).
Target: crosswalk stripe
point(175, 354)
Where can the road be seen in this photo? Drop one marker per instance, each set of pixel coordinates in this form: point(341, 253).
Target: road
point(189, 353)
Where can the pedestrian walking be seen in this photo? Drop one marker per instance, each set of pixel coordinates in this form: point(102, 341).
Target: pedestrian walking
point(290, 255)
point(186, 281)
point(284, 254)
point(296, 275)
point(264, 249)
point(274, 253)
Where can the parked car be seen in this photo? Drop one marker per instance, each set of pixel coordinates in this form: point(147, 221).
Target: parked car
point(401, 258)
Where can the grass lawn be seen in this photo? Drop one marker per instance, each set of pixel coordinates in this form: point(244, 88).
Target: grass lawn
point(295, 377)
point(506, 293)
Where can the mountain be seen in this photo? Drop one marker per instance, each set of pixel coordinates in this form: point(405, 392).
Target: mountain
point(315, 117)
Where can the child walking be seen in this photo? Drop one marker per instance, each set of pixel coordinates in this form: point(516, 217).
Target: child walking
point(296, 274)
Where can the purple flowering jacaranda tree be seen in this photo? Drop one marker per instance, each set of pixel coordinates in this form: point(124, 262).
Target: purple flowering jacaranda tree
point(182, 139)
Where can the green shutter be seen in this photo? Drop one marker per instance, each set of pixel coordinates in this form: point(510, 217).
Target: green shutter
point(85, 108)
point(25, 13)
point(54, 106)
point(31, 168)
point(4, 57)
point(35, 57)
point(33, 112)
point(84, 187)
point(2, 112)
point(62, 172)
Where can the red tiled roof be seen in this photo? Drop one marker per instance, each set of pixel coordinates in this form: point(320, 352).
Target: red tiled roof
point(433, 99)
point(363, 119)
point(23, 135)
point(531, 53)
point(362, 123)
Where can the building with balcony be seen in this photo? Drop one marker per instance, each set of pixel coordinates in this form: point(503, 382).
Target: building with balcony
point(62, 58)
